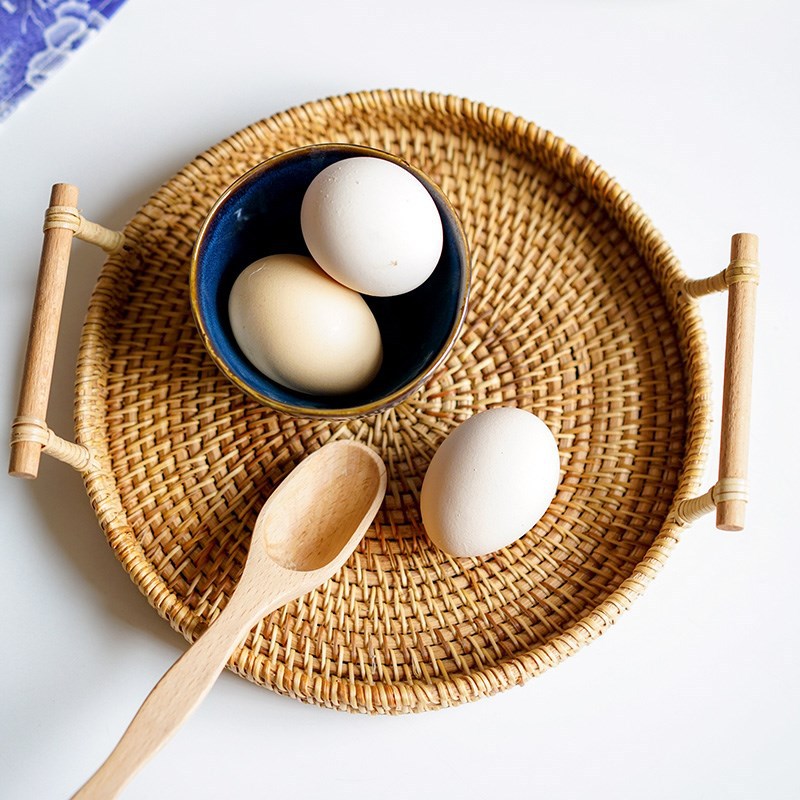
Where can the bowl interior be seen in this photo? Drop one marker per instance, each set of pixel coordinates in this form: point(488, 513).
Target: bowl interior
point(260, 216)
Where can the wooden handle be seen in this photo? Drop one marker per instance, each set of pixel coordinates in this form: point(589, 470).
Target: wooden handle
point(174, 697)
point(738, 378)
point(45, 319)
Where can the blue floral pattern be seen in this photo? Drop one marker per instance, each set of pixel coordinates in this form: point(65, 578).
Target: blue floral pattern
point(37, 37)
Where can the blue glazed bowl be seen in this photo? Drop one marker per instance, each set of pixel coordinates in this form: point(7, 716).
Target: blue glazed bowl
point(259, 215)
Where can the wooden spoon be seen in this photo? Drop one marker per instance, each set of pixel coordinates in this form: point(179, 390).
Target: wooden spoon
point(305, 532)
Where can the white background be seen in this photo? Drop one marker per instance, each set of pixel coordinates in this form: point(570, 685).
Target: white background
point(695, 108)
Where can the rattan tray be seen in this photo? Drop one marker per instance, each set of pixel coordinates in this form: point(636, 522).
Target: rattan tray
point(579, 312)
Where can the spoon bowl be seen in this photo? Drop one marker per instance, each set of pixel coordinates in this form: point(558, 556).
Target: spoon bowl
point(304, 533)
point(324, 538)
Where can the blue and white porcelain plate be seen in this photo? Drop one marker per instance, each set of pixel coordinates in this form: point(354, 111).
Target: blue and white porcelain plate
point(37, 37)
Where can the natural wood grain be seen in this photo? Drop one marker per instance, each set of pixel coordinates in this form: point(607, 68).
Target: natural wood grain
point(45, 319)
point(305, 532)
point(738, 380)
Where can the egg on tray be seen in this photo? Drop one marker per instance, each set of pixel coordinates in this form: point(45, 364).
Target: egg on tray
point(490, 482)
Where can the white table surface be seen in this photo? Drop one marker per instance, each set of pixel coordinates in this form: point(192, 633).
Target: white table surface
point(694, 108)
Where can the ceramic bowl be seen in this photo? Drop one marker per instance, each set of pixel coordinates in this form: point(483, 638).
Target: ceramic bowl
point(259, 215)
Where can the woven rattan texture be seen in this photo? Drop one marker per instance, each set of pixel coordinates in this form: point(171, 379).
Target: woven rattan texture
point(576, 314)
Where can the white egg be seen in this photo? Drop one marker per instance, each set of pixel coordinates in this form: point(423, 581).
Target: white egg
point(303, 329)
point(372, 226)
point(490, 482)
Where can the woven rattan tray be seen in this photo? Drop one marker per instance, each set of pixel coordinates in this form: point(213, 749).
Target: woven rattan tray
point(579, 312)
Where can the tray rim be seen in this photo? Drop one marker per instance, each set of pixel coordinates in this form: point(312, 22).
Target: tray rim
point(446, 690)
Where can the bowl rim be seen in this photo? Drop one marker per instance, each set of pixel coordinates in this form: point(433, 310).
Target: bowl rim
point(386, 401)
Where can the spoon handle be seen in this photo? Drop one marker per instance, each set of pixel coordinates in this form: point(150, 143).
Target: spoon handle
point(173, 698)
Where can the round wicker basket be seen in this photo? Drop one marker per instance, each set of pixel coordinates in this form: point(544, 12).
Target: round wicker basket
point(578, 312)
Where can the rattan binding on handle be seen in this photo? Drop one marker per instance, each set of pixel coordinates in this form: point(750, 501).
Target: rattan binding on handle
point(30, 436)
point(71, 219)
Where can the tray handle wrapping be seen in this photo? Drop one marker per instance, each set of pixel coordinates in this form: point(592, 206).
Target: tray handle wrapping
point(729, 494)
point(30, 435)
